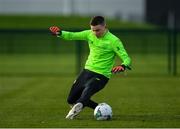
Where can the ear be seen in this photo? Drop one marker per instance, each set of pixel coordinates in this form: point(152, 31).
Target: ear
point(105, 26)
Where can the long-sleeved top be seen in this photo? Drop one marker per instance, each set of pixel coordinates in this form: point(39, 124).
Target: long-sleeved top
point(103, 50)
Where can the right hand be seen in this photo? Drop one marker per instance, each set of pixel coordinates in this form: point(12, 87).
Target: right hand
point(120, 68)
point(55, 30)
point(117, 69)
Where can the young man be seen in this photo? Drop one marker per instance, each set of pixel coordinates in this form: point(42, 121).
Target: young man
point(104, 46)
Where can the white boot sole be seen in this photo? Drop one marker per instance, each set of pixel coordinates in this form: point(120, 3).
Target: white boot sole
point(74, 111)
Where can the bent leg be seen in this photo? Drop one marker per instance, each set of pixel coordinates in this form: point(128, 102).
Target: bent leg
point(78, 87)
point(74, 94)
point(92, 86)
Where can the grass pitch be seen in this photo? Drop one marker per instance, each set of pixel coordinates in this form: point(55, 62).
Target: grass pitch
point(136, 102)
point(33, 92)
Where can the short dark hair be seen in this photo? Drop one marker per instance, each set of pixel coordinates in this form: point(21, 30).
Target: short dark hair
point(97, 20)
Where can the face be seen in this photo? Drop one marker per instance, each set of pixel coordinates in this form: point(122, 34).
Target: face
point(98, 30)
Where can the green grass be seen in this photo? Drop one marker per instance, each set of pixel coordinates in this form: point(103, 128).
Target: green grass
point(66, 64)
point(34, 88)
point(66, 22)
point(136, 102)
point(37, 64)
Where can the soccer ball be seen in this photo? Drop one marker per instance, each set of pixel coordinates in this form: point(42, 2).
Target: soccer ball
point(103, 112)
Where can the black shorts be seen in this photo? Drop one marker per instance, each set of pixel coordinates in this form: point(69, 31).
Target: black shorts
point(87, 84)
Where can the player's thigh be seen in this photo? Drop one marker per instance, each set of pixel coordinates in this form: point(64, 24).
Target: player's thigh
point(94, 85)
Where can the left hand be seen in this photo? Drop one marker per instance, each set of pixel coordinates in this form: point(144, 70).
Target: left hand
point(117, 69)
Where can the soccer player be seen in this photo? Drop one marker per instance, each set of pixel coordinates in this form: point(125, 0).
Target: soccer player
point(104, 46)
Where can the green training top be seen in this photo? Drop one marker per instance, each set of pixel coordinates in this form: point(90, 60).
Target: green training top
point(102, 50)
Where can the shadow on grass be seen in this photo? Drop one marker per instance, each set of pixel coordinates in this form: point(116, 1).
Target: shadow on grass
point(142, 118)
point(152, 117)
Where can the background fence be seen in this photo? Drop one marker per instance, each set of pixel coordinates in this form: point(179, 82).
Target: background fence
point(26, 52)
